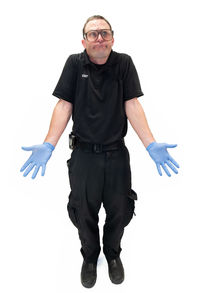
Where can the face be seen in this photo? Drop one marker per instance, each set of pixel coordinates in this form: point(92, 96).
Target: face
point(100, 49)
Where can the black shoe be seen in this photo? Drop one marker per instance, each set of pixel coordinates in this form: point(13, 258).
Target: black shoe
point(88, 274)
point(116, 271)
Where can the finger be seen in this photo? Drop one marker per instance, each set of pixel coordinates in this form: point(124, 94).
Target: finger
point(35, 172)
point(28, 169)
point(43, 169)
point(172, 167)
point(165, 169)
point(25, 165)
point(170, 145)
point(27, 148)
point(173, 161)
point(159, 169)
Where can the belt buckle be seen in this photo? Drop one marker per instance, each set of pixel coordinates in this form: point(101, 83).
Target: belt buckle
point(97, 148)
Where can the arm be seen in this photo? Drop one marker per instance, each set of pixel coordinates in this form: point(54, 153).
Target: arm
point(61, 115)
point(157, 151)
point(137, 118)
point(42, 153)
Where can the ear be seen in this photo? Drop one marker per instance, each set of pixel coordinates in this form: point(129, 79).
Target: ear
point(113, 41)
point(83, 43)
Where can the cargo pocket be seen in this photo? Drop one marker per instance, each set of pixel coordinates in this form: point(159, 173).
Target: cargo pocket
point(69, 172)
point(130, 207)
point(69, 164)
point(73, 212)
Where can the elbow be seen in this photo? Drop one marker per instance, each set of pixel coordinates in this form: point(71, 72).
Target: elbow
point(66, 106)
point(130, 106)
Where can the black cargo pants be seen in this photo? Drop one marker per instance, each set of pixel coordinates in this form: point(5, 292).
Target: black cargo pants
point(95, 178)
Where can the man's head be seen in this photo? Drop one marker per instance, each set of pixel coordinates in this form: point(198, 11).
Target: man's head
point(98, 38)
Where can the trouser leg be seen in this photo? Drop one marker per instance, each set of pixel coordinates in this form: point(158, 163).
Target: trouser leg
point(118, 200)
point(86, 181)
point(96, 178)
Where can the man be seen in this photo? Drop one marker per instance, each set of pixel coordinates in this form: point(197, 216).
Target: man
point(99, 88)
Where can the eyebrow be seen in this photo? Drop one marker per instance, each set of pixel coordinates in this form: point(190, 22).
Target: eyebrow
point(97, 30)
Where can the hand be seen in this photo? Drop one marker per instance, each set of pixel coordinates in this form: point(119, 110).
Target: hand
point(160, 155)
point(40, 155)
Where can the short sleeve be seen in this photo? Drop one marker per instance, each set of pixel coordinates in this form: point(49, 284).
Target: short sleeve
point(131, 83)
point(65, 88)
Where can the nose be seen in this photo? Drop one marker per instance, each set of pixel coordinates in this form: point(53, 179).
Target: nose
point(99, 38)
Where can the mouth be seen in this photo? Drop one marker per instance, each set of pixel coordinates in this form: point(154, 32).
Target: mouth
point(99, 47)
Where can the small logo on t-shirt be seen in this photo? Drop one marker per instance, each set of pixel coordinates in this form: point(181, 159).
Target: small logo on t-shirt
point(85, 75)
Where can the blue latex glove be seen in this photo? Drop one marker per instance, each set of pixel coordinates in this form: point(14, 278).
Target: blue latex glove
point(40, 155)
point(160, 155)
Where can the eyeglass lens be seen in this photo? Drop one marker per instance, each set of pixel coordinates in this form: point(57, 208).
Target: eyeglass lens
point(93, 35)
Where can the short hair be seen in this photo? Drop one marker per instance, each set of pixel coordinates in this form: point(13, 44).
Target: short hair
point(95, 17)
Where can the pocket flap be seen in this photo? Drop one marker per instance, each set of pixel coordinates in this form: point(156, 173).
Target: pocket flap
point(68, 162)
point(133, 195)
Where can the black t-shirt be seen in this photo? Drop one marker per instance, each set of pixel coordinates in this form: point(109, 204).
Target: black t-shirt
point(97, 93)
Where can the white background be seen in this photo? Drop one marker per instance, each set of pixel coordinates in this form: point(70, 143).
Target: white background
point(39, 246)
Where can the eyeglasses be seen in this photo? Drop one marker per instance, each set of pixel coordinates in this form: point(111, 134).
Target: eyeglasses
point(92, 36)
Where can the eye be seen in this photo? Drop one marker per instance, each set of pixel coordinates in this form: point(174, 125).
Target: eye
point(92, 34)
point(105, 33)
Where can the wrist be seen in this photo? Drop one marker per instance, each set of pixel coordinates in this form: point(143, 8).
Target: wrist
point(49, 145)
point(150, 145)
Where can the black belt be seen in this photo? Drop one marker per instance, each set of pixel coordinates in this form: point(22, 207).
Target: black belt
point(99, 148)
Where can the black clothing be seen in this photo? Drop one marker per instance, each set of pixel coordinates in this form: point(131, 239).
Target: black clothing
point(97, 178)
point(98, 148)
point(98, 94)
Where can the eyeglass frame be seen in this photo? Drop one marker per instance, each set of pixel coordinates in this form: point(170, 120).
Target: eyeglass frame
point(99, 32)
